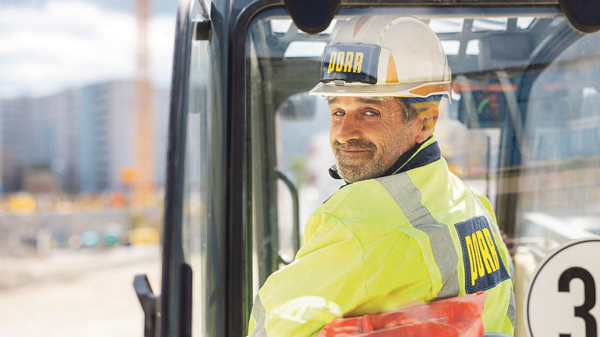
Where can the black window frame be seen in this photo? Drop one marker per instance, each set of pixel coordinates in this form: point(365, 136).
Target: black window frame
point(232, 244)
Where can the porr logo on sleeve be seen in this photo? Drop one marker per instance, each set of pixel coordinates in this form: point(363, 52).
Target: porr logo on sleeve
point(483, 264)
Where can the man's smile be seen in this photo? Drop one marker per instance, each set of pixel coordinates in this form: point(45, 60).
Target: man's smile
point(354, 151)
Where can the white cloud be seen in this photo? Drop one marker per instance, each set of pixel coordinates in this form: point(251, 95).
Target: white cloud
point(161, 39)
point(72, 43)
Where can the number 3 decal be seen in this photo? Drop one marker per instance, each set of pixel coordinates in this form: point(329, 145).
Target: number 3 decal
point(582, 311)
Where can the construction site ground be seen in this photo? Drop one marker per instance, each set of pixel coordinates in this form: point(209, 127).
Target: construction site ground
point(76, 293)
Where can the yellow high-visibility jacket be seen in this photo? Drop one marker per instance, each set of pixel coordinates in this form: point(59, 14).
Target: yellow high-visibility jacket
point(404, 239)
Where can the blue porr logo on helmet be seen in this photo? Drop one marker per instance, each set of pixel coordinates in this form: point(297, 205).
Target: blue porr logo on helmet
point(483, 264)
point(350, 63)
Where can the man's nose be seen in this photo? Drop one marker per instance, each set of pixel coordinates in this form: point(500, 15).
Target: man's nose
point(349, 129)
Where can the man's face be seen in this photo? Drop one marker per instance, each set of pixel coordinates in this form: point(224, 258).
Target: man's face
point(368, 135)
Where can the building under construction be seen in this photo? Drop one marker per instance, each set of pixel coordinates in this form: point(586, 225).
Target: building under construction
point(85, 136)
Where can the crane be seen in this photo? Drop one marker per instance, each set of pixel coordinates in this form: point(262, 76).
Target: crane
point(143, 184)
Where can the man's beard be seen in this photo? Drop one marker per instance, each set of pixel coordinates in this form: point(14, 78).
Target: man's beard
point(353, 168)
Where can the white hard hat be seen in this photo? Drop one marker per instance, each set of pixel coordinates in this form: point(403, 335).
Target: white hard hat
point(384, 55)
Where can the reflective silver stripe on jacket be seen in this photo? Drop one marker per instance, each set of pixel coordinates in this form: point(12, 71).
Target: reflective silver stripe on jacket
point(511, 308)
point(259, 316)
point(510, 311)
point(408, 197)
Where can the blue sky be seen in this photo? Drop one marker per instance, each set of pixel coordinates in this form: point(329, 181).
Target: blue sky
point(50, 45)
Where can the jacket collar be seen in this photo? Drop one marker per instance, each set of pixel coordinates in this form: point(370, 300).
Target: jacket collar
point(420, 155)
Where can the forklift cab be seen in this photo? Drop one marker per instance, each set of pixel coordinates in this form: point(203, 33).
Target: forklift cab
point(248, 151)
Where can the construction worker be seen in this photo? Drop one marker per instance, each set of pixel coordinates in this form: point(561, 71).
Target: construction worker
point(404, 230)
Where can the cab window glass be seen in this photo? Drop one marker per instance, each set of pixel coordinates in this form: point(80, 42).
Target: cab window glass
point(556, 184)
point(558, 194)
point(195, 213)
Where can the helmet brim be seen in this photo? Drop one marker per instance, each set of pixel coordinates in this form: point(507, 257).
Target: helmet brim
point(419, 89)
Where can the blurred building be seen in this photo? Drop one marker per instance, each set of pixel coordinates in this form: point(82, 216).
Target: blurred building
point(15, 144)
point(84, 137)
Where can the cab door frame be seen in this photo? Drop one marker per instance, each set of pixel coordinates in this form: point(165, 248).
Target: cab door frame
point(229, 266)
point(239, 268)
point(171, 316)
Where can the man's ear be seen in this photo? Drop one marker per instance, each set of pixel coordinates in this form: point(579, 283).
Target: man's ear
point(425, 123)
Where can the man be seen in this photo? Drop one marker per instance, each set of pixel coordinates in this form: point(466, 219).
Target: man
point(404, 230)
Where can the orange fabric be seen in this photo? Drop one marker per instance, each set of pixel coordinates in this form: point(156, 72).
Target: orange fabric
point(454, 317)
point(458, 88)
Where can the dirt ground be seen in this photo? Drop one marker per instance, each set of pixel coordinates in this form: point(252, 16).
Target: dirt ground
point(76, 294)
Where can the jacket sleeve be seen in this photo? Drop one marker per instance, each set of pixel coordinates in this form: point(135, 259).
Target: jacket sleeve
point(326, 280)
point(485, 202)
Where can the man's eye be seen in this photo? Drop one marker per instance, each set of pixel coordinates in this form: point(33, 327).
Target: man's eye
point(337, 113)
point(371, 113)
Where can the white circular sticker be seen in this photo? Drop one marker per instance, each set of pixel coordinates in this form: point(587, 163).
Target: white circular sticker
point(562, 298)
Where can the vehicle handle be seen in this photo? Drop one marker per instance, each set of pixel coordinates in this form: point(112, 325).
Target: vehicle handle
point(148, 302)
point(295, 214)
